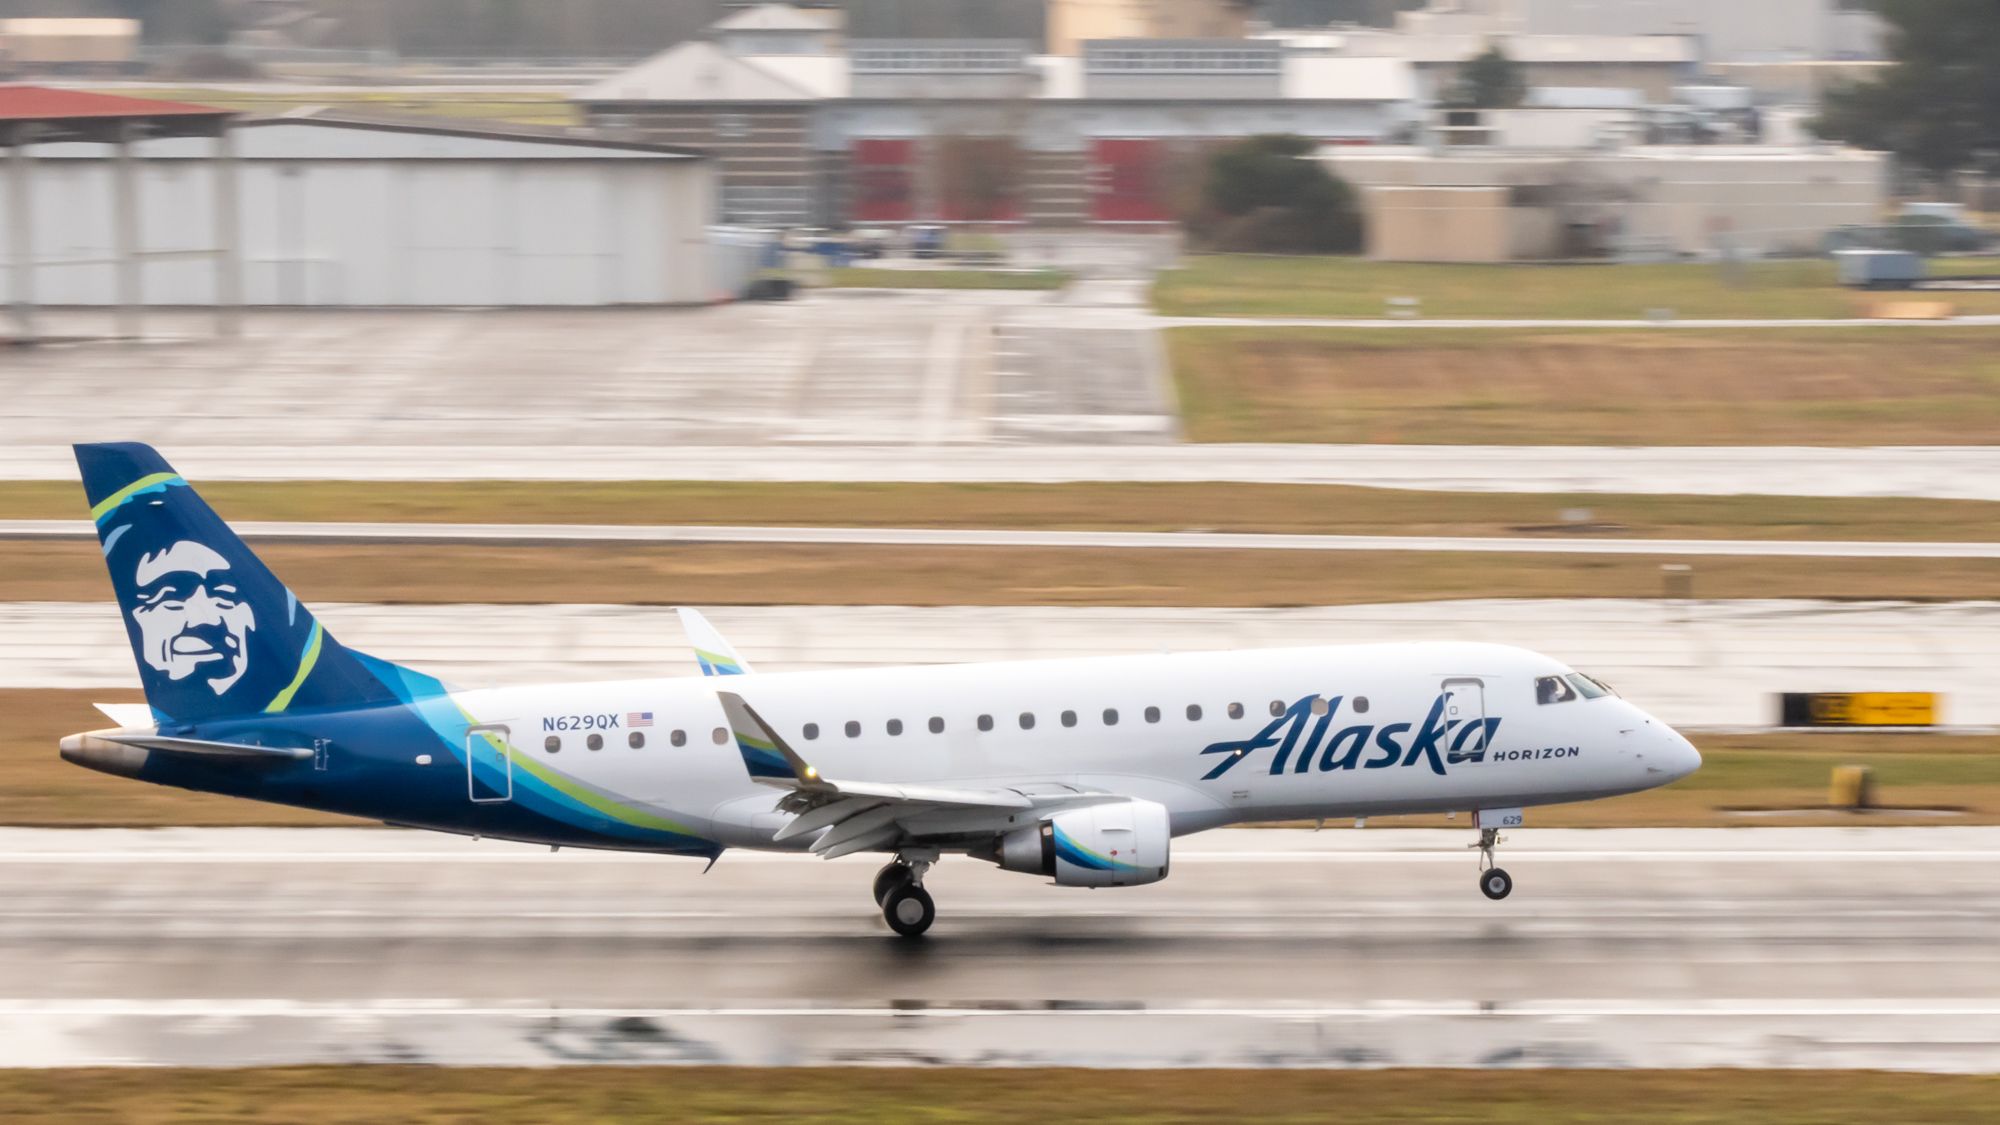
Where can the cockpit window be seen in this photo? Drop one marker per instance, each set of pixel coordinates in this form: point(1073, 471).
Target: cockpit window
point(1553, 689)
point(1587, 687)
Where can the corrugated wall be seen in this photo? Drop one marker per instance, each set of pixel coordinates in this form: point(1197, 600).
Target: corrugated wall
point(373, 233)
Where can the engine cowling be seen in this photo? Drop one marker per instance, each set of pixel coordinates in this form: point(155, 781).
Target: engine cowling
point(1119, 844)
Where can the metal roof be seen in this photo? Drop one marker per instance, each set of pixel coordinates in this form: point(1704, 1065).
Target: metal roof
point(696, 71)
point(781, 17)
point(304, 136)
point(41, 113)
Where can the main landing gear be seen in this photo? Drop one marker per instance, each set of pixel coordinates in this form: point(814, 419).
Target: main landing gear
point(1493, 882)
point(899, 891)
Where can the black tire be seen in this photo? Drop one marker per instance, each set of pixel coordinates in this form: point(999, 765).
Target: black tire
point(909, 910)
point(887, 878)
point(1496, 884)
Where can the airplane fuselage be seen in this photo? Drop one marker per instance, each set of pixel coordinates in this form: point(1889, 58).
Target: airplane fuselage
point(1216, 738)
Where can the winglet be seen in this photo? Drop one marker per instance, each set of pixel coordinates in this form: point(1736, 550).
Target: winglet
point(765, 754)
point(715, 654)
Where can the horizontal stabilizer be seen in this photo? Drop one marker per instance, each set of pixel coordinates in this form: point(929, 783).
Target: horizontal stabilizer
point(149, 740)
point(127, 714)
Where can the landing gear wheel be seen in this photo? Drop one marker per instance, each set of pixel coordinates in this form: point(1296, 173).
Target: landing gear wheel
point(891, 875)
point(909, 909)
point(1495, 883)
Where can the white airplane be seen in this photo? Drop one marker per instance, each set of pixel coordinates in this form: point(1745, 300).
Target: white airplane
point(1079, 771)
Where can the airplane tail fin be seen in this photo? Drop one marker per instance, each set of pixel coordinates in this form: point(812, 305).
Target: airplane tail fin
point(214, 631)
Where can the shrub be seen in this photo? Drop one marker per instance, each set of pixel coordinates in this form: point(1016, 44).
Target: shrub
point(1267, 194)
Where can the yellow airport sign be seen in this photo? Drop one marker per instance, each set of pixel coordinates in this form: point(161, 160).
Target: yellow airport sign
point(1860, 709)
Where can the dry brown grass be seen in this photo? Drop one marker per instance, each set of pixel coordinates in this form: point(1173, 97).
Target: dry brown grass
point(1217, 505)
point(1523, 387)
point(753, 574)
point(869, 1095)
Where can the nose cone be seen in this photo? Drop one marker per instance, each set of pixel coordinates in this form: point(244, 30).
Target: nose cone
point(1680, 756)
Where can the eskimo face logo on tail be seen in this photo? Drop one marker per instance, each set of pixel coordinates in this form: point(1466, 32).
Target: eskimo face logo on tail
point(1299, 741)
point(191, 618)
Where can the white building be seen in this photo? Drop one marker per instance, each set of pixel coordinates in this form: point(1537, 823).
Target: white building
point(1652, 201)
point(1730, 31)
point(344, 212)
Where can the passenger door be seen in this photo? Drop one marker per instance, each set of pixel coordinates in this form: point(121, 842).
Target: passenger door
point(489, 766)
point(1465, 706)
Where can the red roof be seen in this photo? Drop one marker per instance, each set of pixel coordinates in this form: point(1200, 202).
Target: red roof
point(40, 103)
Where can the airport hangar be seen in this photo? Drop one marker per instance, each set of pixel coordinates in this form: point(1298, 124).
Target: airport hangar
point(330, 210)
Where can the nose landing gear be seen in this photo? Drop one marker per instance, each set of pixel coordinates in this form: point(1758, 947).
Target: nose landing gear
point(1493, 882)
point(899, 891)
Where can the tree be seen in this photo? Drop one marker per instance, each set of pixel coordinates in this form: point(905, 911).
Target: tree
point(1490, 79)
point(1937, 105)
point(1269, 194)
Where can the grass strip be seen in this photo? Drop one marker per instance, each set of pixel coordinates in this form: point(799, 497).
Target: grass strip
point(729, 573)
point(1252, 285)
point(812, 574)
point(1761, 772)
point(1166, 506)
point(1616, 387)
point(869, 1095)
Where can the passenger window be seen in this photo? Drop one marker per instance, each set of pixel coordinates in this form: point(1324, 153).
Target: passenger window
point(720, 735)
point(1361, 705)
point(552, 744)
point(636, 740)
point(1320, 706)
point(1587, 687)
point(895, 727)
point(1069, 718)
point(1277, 707)
point(1027, 720)
point(679, 738)
point(1194, 712)
point(937, 725)
point(810, 730)
point(1152, 714)
point(853, 729)
point(1110, 716)
point(1553, 689)
point(985, 722)
point(594, 742)
point(1236, 710)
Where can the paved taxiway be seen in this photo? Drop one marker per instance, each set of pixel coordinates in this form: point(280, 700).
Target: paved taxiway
point(517, 533)
point(1705, 664)
point(1961, 472)
point(1785, 947)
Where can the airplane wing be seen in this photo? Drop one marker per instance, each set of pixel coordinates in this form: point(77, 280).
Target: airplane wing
point(712, 651)
point(863, 815)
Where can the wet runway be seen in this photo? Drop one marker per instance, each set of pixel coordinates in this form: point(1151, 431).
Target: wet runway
point(1787, 947)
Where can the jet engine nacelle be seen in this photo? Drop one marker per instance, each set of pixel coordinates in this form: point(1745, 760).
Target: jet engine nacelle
point(1118, 844)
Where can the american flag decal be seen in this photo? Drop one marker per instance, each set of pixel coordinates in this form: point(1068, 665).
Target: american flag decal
point(639, 719)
